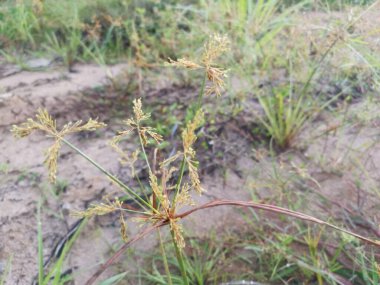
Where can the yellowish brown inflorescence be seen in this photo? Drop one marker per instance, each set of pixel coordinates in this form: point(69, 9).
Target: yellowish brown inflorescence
point(45, 123)
point(163, 208)
point(135, 124)
point(213, 49)
point(100, 209)
point(123, 228)
point(188, 139)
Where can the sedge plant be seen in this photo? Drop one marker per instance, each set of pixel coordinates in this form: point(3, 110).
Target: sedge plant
point(287, 107)
point(172, 181)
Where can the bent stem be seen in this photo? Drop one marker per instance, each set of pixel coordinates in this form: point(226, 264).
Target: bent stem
point(121, 250)
point(180, 260)
point(266, 207)
point(275, 209)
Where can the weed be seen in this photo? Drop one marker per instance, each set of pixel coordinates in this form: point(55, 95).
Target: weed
point(203, 261)
point(285, 114)
point(51, 271)
point(114, 279)
point(171, 181)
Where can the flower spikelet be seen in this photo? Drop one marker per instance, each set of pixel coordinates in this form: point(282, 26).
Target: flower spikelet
point(216, 76)
point(123, 228)
point(188, 139)
point(77, 127)
point(100, 209)
point(45, 122)
point(183, 198)
point(213, 49)
point(137, 110)
point(185, 63)
point(51, 160)
point(135, 124)
point(194, 176)
point(171, 159)
point(178, 233)
point(151, 132)
point(157, 190)
point(188, 135)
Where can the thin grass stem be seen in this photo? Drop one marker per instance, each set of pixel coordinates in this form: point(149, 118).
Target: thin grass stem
point(143, 149)
point(180, 260)
point(164, 258)
point(201, 93)
point(40, 245)
point(141, 202)
point(183, 165)
point(179, 181)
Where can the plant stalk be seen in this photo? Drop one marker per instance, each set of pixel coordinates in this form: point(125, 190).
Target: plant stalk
point(141, 202)
point(163, 253)
point(182, 168)
point(180, 260)
point(201, 93)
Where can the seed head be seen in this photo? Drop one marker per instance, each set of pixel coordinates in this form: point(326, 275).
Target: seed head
point(184, 63)
point(183, 198)
point(123, 228)
point(135, 124)
point(100, 209)
point(188, 139)
point(44, 122)
point(158, 191)
point(137, 110)
point(213, 49)
point(178, 233)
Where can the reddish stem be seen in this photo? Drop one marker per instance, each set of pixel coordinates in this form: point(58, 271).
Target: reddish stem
point(217, 203)
point(121, 250)
point(275, 209)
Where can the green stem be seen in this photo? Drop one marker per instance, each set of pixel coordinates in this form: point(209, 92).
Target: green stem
point(141, 202)
point(201, 93)
point(143, 190)
point(163, 253)
point(179, 181)
point(40, 245)
point(315, 69)
point(143, 150)
point(182, 168)
point(180, 260)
